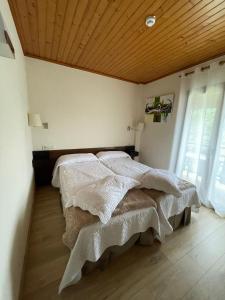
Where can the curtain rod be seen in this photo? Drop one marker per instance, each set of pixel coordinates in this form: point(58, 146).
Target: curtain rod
point(222, 62)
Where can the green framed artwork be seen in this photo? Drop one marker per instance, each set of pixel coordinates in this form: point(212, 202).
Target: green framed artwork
point(159, 108)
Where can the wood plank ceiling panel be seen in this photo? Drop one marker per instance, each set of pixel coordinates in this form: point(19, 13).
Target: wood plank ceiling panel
point(134, 10)
point(63, 28)
point(109, 19)
point(41, 21)
point(195, 27)
point(22, 13)
point(50, 24)
point(62, 10)
point(33, 15)
point(130, 28)
point(110, 37)
point(160, 31)
point(92, 17)
point(15, 13)
point(207, 38)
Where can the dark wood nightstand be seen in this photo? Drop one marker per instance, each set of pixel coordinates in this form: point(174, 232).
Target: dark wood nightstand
point(133, 154)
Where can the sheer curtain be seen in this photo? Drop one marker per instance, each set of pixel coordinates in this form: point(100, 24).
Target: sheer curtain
point(201, 158)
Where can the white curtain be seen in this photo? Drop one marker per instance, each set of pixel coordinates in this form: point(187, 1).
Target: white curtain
point(201, 158)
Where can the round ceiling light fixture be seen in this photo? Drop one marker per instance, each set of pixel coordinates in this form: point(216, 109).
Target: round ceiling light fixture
point(150, 21)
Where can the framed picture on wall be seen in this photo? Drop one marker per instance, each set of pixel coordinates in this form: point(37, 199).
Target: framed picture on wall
point(6, 46)
point(158, 108)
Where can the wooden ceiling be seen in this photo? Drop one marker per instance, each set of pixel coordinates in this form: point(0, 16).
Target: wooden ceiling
point(110, 37)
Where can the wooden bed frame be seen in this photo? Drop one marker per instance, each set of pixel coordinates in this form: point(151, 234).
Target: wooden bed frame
point(44, 161)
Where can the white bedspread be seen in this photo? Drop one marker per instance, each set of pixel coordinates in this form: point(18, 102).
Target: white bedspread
point(102, 197)
point(171, 205)
point(74, 176)
point(79, 173)
point(126, 166)
point(150, 178)
point(167, 205)
point(91, 186)
point(94, 239)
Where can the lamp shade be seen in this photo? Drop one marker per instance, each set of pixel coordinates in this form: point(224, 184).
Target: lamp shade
point(34, 120)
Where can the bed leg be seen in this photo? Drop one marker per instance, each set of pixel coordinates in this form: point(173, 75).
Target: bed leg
point(147, 238)
point(187, 216)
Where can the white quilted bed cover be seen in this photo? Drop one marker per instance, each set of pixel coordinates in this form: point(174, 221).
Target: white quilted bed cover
point(93, 240)
point(168, 205)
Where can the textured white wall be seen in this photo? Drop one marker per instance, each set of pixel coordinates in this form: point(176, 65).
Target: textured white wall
point(15, 164)
point(82, 109)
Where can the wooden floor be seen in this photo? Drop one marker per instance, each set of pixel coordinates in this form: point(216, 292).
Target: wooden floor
point(190, 265)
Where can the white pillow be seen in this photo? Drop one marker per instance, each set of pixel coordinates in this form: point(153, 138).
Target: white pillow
point(75, 158)
point(102, 197)
point(111, 154)
point(161, 180)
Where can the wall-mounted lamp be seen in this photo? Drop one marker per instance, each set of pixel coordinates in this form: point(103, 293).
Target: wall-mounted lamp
point(138, 132)
point(34, 120)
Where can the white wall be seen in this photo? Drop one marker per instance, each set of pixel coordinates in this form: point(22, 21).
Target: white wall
point(82, 109)
point(15, 165)
point(158, 138)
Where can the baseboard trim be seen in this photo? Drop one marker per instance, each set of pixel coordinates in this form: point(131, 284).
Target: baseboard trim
point(22, 279)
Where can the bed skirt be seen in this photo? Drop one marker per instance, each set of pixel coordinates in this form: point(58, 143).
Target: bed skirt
point(145, 238)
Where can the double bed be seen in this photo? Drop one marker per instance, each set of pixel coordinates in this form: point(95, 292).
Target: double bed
point(108, 207)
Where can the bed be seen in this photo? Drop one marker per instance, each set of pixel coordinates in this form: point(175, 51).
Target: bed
point(93, 242)
point(138, 216)
point(171, 207)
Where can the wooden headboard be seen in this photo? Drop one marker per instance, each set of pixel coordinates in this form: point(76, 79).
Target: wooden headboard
point(44, 161)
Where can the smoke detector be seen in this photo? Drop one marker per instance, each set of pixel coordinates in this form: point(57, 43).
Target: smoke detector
point(150, 21)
